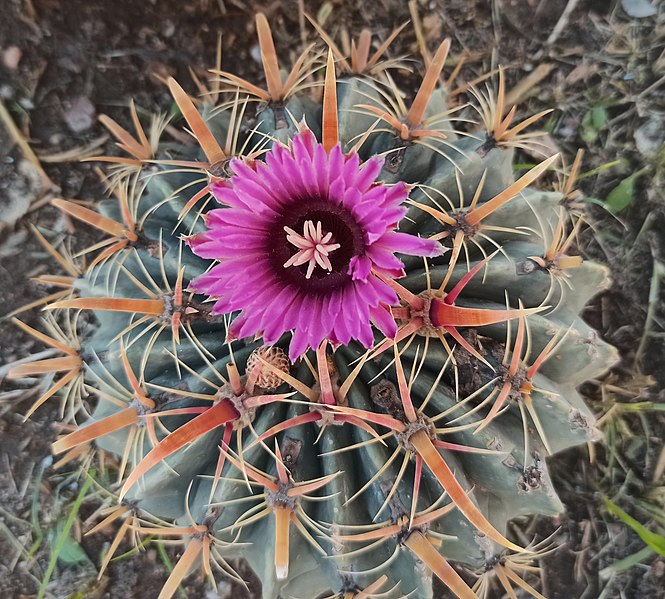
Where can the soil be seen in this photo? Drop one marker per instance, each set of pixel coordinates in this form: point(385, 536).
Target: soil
point(64, 62)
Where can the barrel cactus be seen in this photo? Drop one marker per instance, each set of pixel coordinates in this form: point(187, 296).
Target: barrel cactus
point(335, 336)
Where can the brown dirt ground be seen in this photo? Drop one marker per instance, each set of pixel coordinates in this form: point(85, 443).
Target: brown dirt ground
point(80, 58)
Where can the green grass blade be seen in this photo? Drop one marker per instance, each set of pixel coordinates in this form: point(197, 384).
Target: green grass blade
point(62, 537)
point(653, 540)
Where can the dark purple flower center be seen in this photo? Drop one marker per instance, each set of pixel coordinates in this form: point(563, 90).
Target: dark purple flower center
point(334, 219)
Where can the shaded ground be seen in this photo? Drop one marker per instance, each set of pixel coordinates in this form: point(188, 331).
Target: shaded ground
point(64, 62)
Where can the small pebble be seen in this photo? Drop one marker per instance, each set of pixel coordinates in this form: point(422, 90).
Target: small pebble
point(80, 114)
point(11, 57)
point(168, 29)
point(650, 136)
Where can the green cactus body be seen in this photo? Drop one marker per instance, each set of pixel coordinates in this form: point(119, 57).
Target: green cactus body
point(167, 365)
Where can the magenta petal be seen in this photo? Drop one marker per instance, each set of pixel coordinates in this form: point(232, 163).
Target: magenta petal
point(320, 327)
point(385, 294)
point(410, 244)
point(341, 330)
point(384, 259)
point(289, 320)
point(320, 168)
point(334, 304)
point(384, 321)
point(360, 267)
point(250, 324)
point(335, 163)
point(234, 218)
point(368, 173)
point(298, 345)
point(272, 320)
point(366, 336)
point(235, 326)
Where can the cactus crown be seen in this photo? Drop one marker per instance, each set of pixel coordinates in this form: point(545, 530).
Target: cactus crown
point(335, 337)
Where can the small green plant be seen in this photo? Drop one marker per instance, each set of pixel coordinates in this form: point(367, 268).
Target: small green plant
point(335, 337)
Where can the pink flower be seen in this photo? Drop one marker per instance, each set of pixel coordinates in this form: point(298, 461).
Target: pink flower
point(299, 243)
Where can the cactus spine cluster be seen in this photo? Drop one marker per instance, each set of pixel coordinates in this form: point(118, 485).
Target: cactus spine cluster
point(278, 431)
